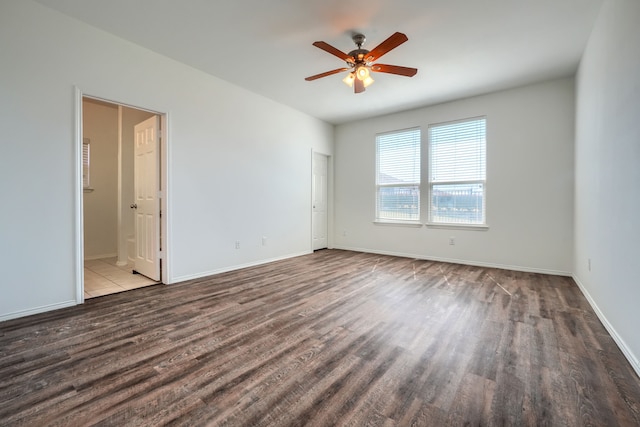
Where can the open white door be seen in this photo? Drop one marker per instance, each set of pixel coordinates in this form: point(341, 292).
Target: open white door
point(147, 205)
point(319, 198)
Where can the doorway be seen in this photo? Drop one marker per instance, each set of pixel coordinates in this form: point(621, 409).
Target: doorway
point(319, 209)
point(120, 173)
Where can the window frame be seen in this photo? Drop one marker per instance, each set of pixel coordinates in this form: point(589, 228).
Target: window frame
point(431, 182)
point(378, 186)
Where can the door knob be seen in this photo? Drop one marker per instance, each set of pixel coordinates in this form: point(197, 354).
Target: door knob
point(134, 206)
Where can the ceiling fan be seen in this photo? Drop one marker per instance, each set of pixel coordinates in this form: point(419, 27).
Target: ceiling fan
point(360, 60)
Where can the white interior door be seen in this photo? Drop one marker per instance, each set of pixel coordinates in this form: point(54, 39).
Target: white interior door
point(319, 198)
point(147, 205)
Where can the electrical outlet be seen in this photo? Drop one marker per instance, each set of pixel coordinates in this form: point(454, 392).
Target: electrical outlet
point(237, 244)
point(344, 233)
point(452, 241)
point(264, 240)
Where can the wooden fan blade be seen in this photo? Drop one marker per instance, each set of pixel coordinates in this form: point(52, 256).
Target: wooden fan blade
point(333, 51)
point(394, 69)
point(325, 74)
point(358, 85)
point(392, 42)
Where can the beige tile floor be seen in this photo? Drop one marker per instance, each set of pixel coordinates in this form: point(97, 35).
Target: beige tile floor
point(104, 277)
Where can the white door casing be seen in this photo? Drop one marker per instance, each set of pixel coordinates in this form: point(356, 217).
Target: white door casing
point(146, 206)
point(319, 200)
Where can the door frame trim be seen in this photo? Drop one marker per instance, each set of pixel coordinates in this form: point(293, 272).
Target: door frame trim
point(165, 154)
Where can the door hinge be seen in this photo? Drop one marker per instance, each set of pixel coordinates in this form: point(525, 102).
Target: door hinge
point(160, 254)
point(159, 194)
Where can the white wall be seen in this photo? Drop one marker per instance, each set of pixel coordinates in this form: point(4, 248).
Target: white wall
point(100, 125)
point(240, 164)
point(607, 158)
point(529, 182)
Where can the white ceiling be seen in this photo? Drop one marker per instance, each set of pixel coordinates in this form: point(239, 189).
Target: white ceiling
point(461, 47)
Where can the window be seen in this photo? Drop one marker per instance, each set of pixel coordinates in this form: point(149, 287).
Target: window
point(457, 172)
point(398, 176)
point(85, 163)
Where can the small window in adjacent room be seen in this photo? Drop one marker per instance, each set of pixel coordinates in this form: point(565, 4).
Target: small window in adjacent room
point(457, 172)
point(398, 176)
point(85, 163)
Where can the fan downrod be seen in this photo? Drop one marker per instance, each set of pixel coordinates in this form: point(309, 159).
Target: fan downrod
point(359, 54)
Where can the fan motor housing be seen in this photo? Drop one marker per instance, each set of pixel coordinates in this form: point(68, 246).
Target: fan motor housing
point(359, 55)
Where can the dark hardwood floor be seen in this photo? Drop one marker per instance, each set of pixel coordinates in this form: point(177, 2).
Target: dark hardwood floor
point(332, 338)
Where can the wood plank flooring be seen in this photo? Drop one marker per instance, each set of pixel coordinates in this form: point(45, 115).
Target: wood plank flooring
point(331, 338)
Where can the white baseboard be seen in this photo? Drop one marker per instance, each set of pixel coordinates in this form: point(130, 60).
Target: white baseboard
point(460, 261)
point(92, 257)
point(234, 267)
point(37, 310)
point(633, 360)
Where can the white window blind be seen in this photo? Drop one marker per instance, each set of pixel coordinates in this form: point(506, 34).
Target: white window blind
point(457, 172)
point(398, 175)
point(85, 162)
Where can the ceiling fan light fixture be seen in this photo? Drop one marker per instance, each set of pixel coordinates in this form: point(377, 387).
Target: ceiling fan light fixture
point(367, 81)
point(362, 72)
point(349, 79)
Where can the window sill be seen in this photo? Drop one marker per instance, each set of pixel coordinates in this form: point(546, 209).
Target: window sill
point(416, 224)
point(479, 227)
